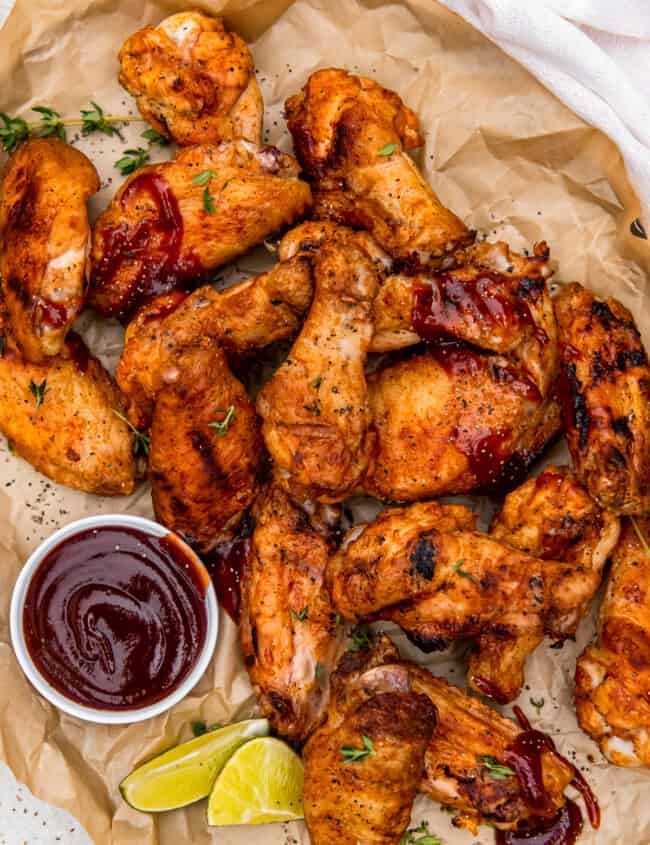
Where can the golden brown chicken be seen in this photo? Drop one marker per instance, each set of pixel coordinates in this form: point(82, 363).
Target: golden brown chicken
point(606, 399)
point(63, 417)
point(351, 137)
point(363, 767)
point(315, 408)
point(193, 80)
point(290, 635)
point(171, 224)
point(245, 317)
point(307, 237)
point(613, 675)
point(44, 242)
point(454, 420)
point(205, 447)
point(553, 517)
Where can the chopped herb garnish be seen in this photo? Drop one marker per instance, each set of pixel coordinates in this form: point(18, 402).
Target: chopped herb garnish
point(361, 638)
point(14, 130)
point(316, 383)
point(204, 177)
point(94, 120)
point(338, 620)
point(355, 755)
point(412, 836)
point(142, 442)
point(38, 391)
point(208, 202)
point(299, 616)
point(537, 704)
point(639, 534)
point(496, 770)
point(132, 160)
point(10, 447)
point(457, 567)
point(51, 123)
point(222, 427)
point(389, 149)
point(319, 671)
point(199, 728)
point(155, 137)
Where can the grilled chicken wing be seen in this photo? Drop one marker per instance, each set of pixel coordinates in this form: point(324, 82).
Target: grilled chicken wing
point(170, 224)
point(613, 676)
point(553, 517)
point(44, 242)
point(242, 318)
point(494, 299)
point(309, 236)
point(367, 800)
point(315, 410)
point(60, 416)
point(193, 80)
point(606, 399)
point(290, 636)
point(205, 447)
point(454, 420)
point(351, 137)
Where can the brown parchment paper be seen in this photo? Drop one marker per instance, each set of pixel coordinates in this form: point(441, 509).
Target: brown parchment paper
point(504, 154)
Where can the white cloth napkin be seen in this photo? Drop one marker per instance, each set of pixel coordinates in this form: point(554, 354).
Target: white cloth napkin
point(594, 55)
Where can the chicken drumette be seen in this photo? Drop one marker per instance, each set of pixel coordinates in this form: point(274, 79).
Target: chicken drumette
point(193, 80)
point(44, 242)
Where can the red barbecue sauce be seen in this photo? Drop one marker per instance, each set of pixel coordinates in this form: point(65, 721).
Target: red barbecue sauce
point(114, 618)
point(226, 564)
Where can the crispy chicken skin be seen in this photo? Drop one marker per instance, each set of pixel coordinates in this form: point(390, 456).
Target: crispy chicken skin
point(366, 801)
point(315, 409)
point(451, 421)
point(493, 298)
point(193, 80)
point(163, 231)
point(73, 436)
point(203, 478)
point(606, 399)
point(290, 637)
point(351, 136)
point(553, 517)
point(243, 318)
point(307, 237)
point(44, 242)
point(613, 675)
point(425, 568)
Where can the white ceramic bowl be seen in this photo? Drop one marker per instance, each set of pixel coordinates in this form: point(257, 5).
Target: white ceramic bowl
point(90, 714)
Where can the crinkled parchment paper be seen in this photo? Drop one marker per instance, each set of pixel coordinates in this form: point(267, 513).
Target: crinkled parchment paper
point(503, 153)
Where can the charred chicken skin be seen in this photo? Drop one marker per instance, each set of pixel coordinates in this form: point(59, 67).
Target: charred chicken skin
point(351, 137)
point(171, 224)
point(44, 242)
point(366, 797)
point(290, 636)
point(613, 675)
point(193, 80)
point(606, 399)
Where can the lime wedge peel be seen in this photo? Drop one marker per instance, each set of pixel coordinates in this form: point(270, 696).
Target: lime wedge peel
point(261, 783)
point(187, 772)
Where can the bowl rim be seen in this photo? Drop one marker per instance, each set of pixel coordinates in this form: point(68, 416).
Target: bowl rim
point(44, 687)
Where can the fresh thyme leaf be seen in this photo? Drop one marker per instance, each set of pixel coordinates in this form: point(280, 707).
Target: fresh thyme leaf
point(51, 123)
point(361, 638)
point(132, 160)
point(457, 567)
point(94, 120)
point(316, 383)
point(142, 442)
point(355, 755)
point(389, 149)
point(155, 137)
point(338, 620)
point(319, 671)
point(12, 132)
point(496, 770)
point(299, 616)
point(38, 391)
point(537, 704)
point(409, 836)
point(222, 427)
point(10, 447)
point(199, 728)
point(639, 534)
point(204, 177)
point(208, 203)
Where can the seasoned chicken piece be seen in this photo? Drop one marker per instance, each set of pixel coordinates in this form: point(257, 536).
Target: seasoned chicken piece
point(351, 137)
point(205, 447)
point(193, 80)
point(290, 636)
point(452, 421)
point(553, 517)
point(44, 242)
point(363, 767)
point(171, 224)
point(315, 409)
point(309, 236)
point(425, 568)
point(245, 317)
point(606, 399)
point(495, 299)
point(613, 675)
point(61, 417)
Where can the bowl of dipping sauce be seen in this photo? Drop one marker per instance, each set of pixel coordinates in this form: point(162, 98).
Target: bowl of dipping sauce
point(114, 619)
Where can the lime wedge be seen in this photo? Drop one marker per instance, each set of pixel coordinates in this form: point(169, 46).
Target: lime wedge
point(261, 783)
point(186, 773)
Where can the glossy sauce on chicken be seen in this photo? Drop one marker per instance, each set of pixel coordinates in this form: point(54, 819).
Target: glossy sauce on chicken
point(115, 618)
